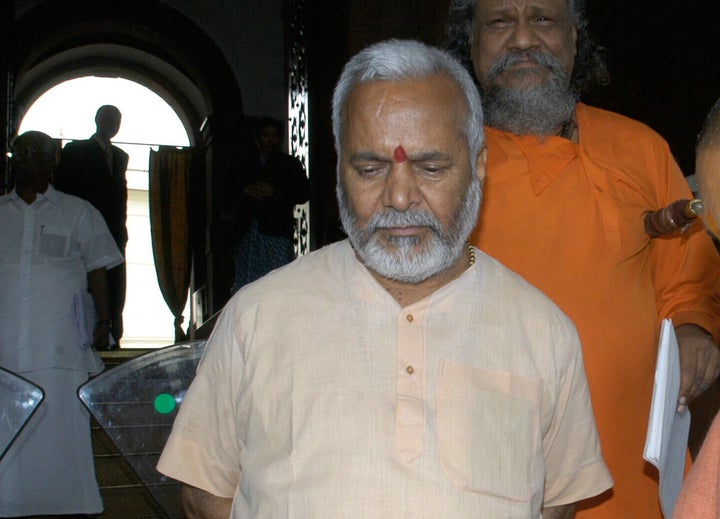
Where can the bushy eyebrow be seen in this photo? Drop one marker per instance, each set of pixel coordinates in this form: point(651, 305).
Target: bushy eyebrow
point(428, 155)
point(507, 10)
point(421, 156)
point(367, 156)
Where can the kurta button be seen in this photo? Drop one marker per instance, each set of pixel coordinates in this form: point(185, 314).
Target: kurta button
point(410, 370)
point(410, 318)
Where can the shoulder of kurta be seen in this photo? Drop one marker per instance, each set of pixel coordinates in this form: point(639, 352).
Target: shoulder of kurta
point(307, 274)
point(538, 326)
point(626, 145)
point(527, 298)
point(600, 128)
point(76, 203)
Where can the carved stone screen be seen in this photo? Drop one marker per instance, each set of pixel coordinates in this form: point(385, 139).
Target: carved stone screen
point(298, 111)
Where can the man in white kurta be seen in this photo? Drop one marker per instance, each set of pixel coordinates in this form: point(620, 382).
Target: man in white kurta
point(47, 249)
point(400, 373)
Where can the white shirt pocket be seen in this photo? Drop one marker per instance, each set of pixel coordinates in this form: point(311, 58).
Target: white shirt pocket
point(54, 242)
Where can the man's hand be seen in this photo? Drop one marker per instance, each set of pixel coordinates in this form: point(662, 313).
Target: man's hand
point(699, 362)
point(559, 512)
point(101, 335)
point(260, 190)
point(199, 504)
point(97, 282)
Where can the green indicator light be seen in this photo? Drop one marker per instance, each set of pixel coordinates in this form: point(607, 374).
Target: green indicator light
point(164, 403)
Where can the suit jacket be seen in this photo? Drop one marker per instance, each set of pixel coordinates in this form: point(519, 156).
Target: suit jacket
point(83, 171)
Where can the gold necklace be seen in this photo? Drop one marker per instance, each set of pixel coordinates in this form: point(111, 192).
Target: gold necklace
point(471, 250)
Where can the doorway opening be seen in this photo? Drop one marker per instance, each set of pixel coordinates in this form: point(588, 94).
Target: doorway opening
point(67, 112)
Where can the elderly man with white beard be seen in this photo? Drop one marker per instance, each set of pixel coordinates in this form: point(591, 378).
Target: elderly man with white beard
point(401, 372)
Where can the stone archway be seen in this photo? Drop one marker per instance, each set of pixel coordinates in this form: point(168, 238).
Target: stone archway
point(146, 41)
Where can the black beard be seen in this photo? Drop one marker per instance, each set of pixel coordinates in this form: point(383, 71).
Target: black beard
point(542, 110)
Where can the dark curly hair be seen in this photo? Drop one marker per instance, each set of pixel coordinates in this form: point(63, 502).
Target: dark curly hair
point(589, 70)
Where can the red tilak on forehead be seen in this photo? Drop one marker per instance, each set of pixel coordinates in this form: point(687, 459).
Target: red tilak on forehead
point(399, 154)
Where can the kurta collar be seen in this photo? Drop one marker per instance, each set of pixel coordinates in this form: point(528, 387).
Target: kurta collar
point(51, 194)
point(367, 288)
point(547, 158)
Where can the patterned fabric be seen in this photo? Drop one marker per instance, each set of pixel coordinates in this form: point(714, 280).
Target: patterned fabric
point(257, 254)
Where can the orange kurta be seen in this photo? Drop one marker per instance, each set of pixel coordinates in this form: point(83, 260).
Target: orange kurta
point(569, 218)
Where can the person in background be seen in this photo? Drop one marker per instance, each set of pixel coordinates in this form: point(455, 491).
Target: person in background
point(707, 169)
point(700, 494)
point(95, 169)
point(401, 372)
point(53, 247)
point(566, 192)
point(268, 186)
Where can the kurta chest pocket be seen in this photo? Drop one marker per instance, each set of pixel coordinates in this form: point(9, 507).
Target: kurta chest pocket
point(54, 242)
point(489, 431)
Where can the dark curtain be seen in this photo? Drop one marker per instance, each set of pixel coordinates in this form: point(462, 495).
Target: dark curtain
point(169, 180)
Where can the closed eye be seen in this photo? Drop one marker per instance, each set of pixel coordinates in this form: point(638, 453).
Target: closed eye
point(368, 170)
point(499, 23)
point(368, 164)
point(432, 170)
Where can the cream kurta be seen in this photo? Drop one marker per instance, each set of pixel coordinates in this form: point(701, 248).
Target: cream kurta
point(319, 396)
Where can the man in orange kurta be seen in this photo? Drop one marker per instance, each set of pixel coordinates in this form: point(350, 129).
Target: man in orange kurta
point(569, 218)
point(566, 191)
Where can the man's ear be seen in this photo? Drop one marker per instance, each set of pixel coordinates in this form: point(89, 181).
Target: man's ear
point(574, 40)
point(481, 161)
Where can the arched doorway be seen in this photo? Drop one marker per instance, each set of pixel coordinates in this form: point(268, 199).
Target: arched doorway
point(66, 112)
point(155, 45)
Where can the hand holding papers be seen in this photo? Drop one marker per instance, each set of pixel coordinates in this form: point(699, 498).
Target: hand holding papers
point(85, 318)
point(666, 441)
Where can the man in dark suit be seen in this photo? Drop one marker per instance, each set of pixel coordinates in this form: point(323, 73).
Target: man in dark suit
point(94, 169)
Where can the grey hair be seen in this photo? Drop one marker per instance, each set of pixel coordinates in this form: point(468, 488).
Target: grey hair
point(406, 60)
point(589, 71)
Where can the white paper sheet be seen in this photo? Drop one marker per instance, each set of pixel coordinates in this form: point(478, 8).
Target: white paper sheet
point(667, 434)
